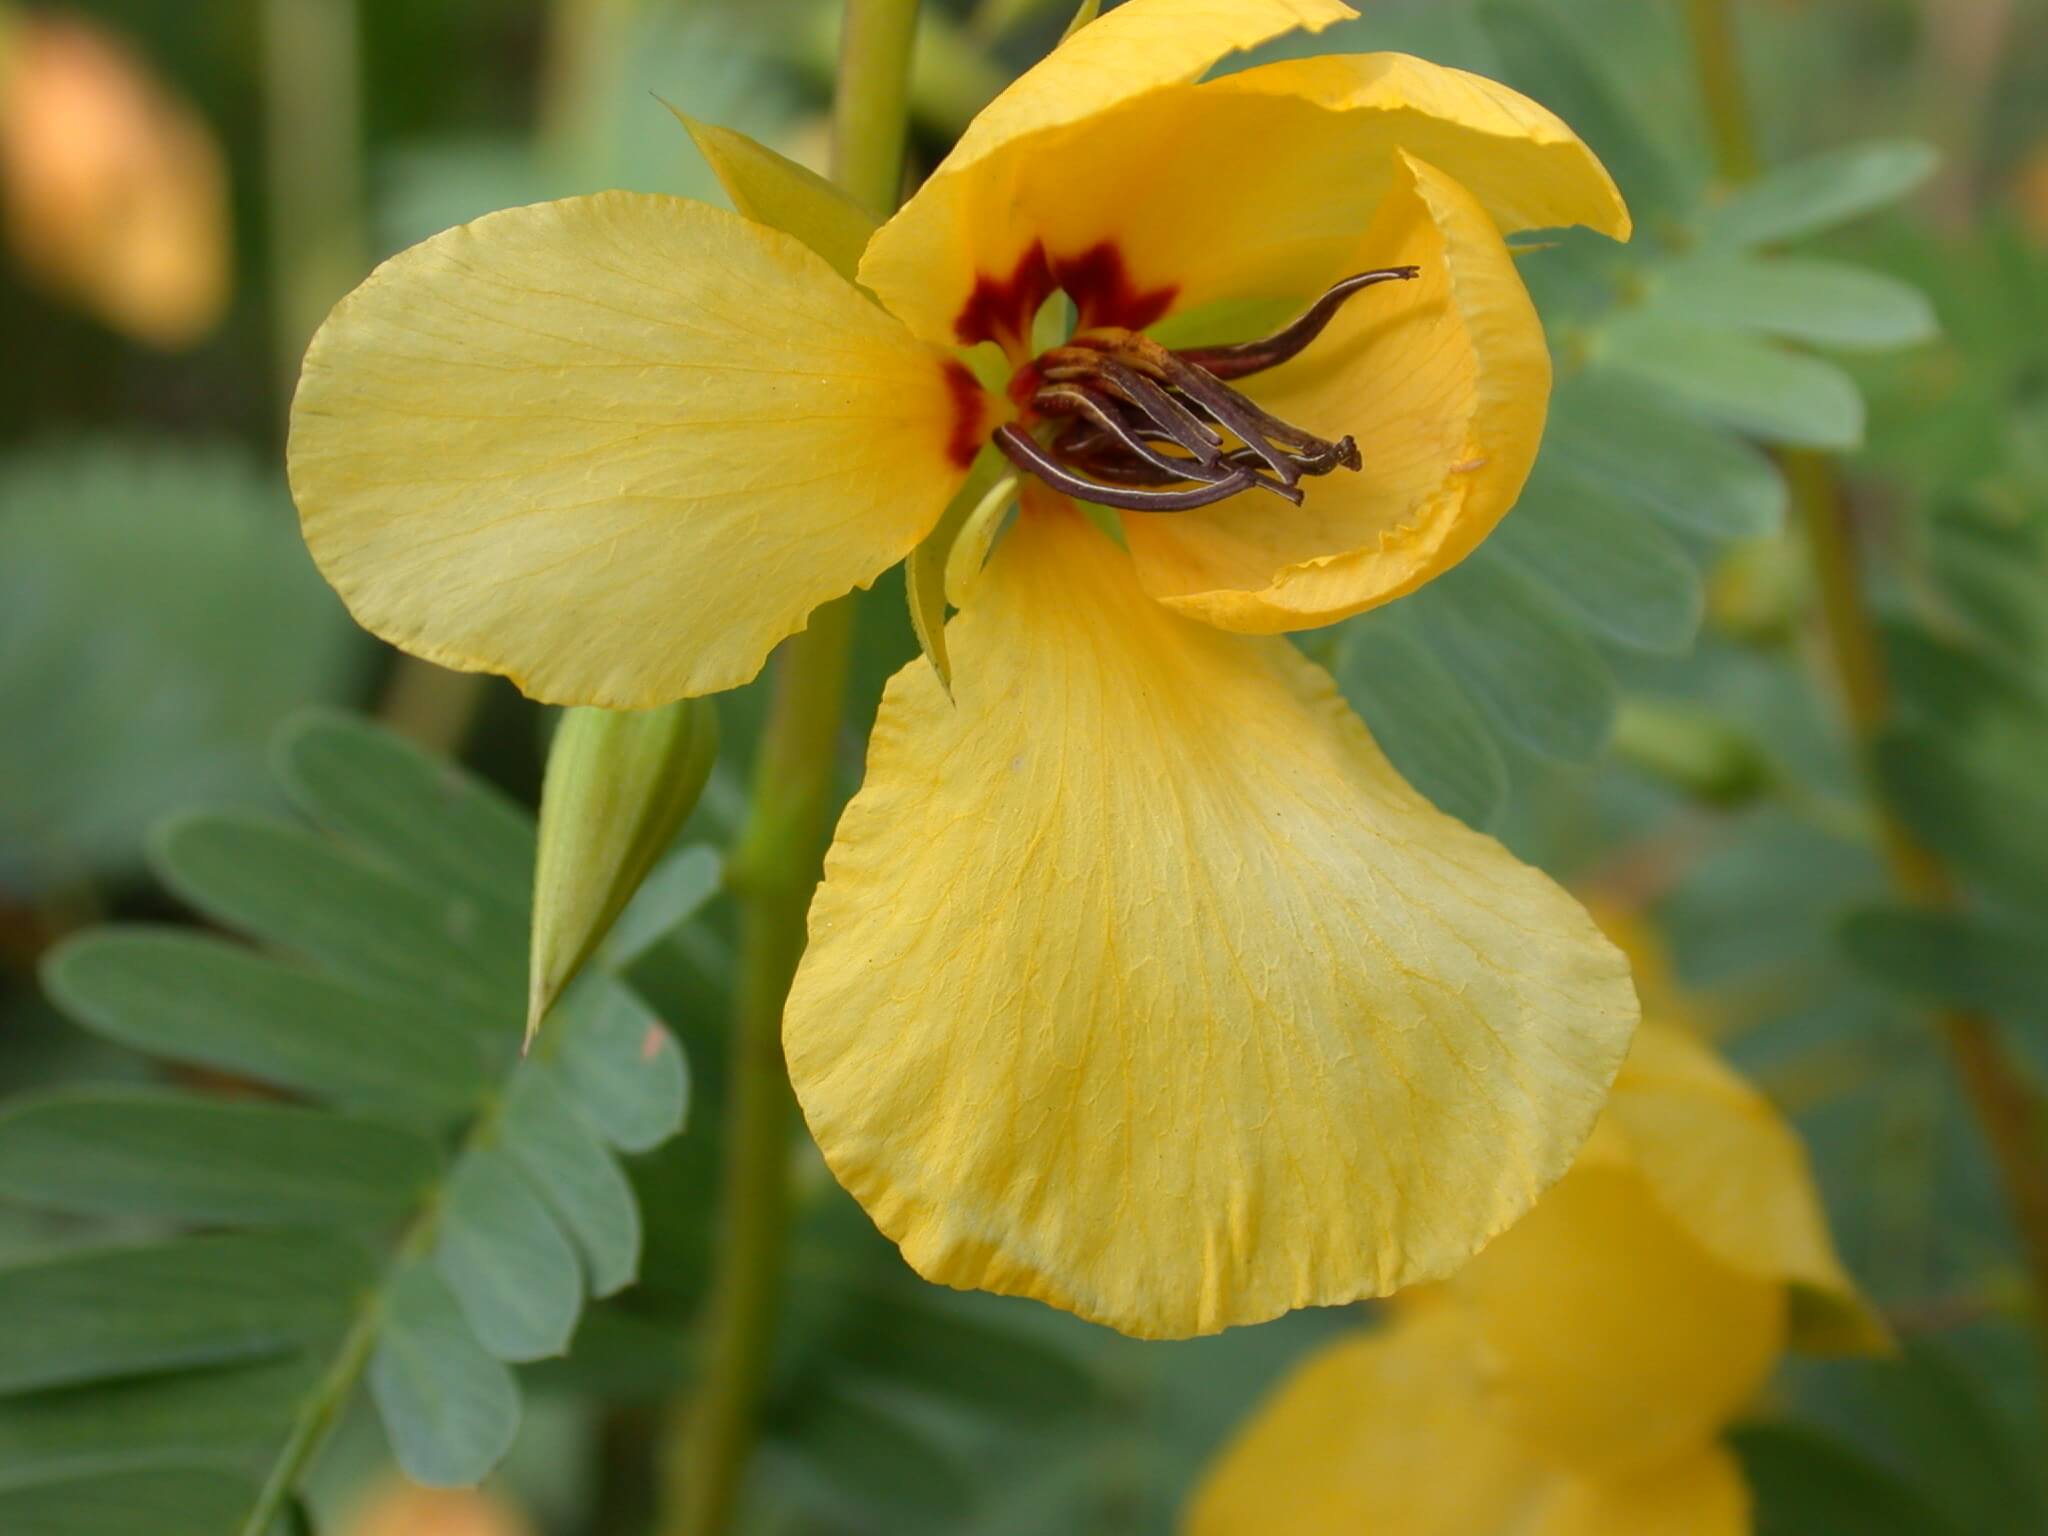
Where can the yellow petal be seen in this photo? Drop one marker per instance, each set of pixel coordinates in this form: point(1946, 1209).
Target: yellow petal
point(1520, 160)
point(616, 447)
point(1444, 381)
point(1609, 1337)
point(1700, 1493)
point(1732, 1173)
point(1379, 1434)
point(1140, 983)
point(1252, 186)
point(969, 219)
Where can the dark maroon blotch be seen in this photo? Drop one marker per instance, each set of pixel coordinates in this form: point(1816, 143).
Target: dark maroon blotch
point(1000, 309)
point(970, 413)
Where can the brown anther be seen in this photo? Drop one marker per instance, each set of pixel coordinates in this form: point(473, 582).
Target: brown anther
point(1130, 402)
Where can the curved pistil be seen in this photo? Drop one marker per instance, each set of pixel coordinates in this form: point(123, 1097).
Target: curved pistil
point(1150, 429)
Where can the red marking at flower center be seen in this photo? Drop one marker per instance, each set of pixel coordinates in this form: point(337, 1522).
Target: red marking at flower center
point(1100, 285)
point(970, 413)
point(1000, 309)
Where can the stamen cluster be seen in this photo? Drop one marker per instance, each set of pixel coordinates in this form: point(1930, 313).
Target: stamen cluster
point(1150, 429)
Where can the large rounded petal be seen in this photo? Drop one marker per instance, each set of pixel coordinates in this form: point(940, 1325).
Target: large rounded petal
point(1252, 186)
point(616, 447)
point(1140, 983)
point(1725, 1167)
point(1379, 1434)
point(1610, 1339)
point(1445, 383)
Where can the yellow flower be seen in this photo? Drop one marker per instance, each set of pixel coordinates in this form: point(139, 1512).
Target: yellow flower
point(114, 191)
point(1138, 981)
point(399, 1508)
point(1573, 1379)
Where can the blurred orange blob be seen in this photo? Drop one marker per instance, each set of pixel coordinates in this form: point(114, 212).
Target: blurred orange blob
point(400, 1508)
point(2030, 193)
point(115, 193)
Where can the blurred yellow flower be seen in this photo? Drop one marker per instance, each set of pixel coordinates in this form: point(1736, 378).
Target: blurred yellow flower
point(1138, 981)
point(114, 191)
point(400, 1508)
point(1573, 1379)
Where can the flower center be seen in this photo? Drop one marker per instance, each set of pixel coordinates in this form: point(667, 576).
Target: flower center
point(1124, 422)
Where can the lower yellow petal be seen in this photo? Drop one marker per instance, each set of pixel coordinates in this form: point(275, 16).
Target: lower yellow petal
point(1380, 1434)
point(1140, 983)
point(1732, 1173)
point(616, 447)
point(1611, 1339)
point(1444, 382)
point(1700, 1493)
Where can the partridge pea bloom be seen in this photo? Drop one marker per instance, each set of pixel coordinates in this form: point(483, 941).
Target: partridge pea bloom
point(1574, 1378)
point(1138, 981)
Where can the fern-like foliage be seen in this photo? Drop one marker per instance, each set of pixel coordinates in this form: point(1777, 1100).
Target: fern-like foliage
point(359, 1179)
point(1676, 354)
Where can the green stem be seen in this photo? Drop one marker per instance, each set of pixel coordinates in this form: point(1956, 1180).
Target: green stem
point(1717, 55)
point(871, 114)
point(320, 1408)
point(314, 164)
point(2005, 1103)
point(2007, 1107)
point(319, 249)
point(774, 870)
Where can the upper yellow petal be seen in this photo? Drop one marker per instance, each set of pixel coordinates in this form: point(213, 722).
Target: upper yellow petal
point(1731, 1172)
point(1255, 185)
point(615, 447)
point(1610, 1338)
point(1519, 159)
point(972, 218)
point(1379, 1434)
point(1137, 47)
point(1140, 983)
point(1445, 383)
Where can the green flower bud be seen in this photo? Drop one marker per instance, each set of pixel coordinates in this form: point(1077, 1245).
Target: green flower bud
point(619, 785)
point(1699, 752)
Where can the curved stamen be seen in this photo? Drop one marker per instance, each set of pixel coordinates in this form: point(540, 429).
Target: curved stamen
point(1170, 424)
point(1026, 454)
point(1079, 400)
point(1171, 415)
point(1091, 454)
point(1129, 402)
point(1239, 359)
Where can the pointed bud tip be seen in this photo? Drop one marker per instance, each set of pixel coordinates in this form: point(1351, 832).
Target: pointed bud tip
point(540, 998)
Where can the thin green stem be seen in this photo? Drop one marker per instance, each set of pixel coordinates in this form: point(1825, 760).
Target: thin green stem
point(774, 870)
point(871, 114)
point(1717, 55)
point(317, 1414)
point(321, 1407)
point(2006, 1104)
point(319, 249)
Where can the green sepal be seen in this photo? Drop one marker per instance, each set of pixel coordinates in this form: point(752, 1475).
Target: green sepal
point(774, 190)
point(619, 785)
point(924, 572)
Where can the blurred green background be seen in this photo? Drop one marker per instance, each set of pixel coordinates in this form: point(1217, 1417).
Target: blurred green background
point(1632, 685)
